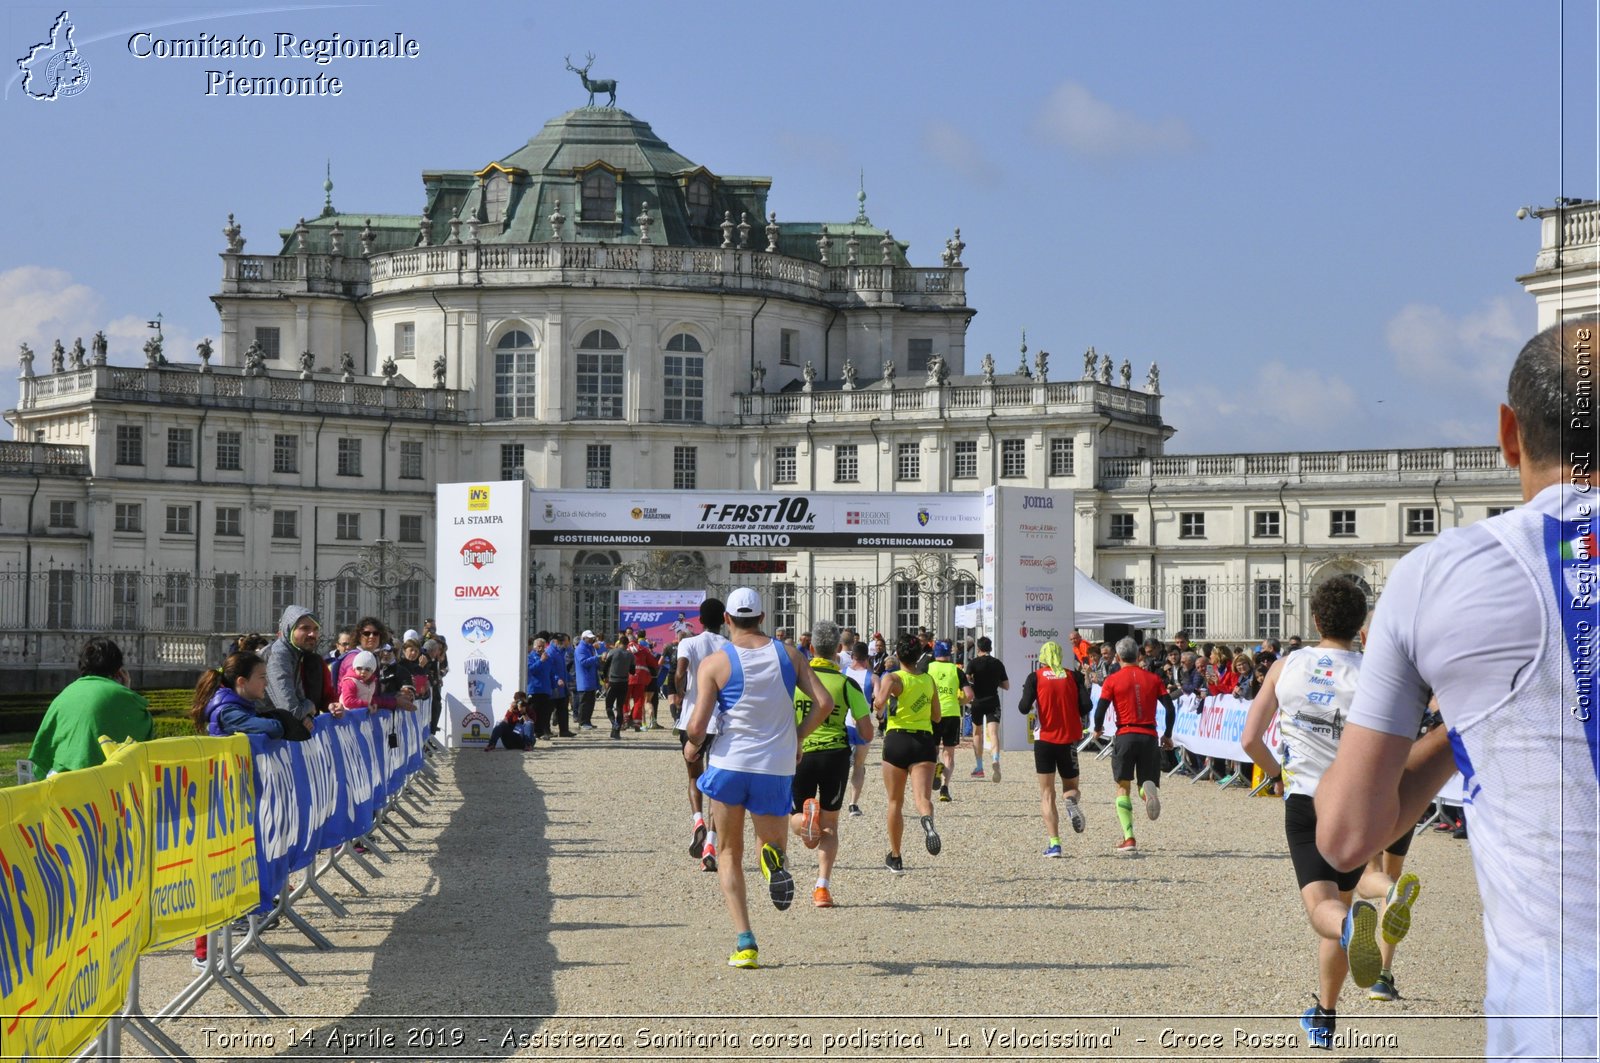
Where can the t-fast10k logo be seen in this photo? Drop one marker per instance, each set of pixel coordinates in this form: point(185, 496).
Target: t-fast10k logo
point(478, 497)
point(477, 553)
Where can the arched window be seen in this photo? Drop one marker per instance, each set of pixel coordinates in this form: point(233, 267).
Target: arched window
point(599, 377)
point(684, 380)
point(514, 357)
point(697, 197)
point(599, 195)
point(496, 194)
point(594, 592)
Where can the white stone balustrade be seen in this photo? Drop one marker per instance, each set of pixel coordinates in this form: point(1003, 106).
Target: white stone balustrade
point(1388, 465)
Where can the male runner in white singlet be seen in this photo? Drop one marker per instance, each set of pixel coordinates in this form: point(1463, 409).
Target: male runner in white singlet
point(1500, 620)
point(750, 761)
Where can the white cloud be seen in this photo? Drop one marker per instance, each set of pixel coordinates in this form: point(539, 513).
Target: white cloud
point(1467, 354)
point(1074, 118)
point(951, 146)
point(1276, 409)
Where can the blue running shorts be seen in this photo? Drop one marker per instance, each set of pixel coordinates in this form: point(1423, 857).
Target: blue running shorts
point(764, 795)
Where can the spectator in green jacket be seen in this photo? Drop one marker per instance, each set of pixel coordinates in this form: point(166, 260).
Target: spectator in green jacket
point(97, 703)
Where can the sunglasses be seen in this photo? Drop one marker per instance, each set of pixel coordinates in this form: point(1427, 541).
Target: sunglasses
point(370, 634)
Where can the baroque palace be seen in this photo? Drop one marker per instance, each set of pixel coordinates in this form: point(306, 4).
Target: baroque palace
point(594, 310)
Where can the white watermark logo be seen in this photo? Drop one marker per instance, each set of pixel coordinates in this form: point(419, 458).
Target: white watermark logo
point(55, 69)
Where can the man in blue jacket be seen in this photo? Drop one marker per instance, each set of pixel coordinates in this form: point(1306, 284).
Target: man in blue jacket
point(586, 659)
point(555, 655)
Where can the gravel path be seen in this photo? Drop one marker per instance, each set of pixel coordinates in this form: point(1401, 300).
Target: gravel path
point(557, 883)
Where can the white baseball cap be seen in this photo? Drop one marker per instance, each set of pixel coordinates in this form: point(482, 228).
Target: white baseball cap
point(744, 602)
point(587, 634)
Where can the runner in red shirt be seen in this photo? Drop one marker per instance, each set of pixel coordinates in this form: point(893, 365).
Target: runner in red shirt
point(1135, 692)
point(1061, 700)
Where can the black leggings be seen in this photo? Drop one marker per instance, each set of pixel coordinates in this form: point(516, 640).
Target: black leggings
point(617, 702)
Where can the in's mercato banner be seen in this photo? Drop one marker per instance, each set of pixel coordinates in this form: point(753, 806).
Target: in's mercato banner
point(1028, 581)
point(754, 520)
point(481, 608)
point(661, 616)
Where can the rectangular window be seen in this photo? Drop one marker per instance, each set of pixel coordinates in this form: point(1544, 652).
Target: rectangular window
point(1122, 587)
point(349, 456)
point(1121, 526)
point(1342, 522)
point(788, 346)
point(599, 383)
point(230, 522)
point(597, 466)
point(1496, 511)
point(125, 601)
point(411, 460)
point(511, 459)
point(285, 453)
point(267, 339)
point(1194, 608)
point(846, 464)
point(405, 339)
point(346, 601)
point(286, 524)
point(845, 599)
point(410, 528)
point(685, 466)
point(347, 526)
point(1269, 608)
point(408, 600)
point(180, 448)
point(225, 602)
point(63, 514)
point(1061, 457)
point(1266, 523)
point(785, 465)
point(683, 392)
point(783, 607)
point(283, 593)
point(230, 451)
point(1191, 526)
point(180, 520)
point(176, 601)
point(1013, 458)
point(907, 607)
point(1421, 521)
point(908, 461)
point(129, 517)
point(918, 352)
point(62, 593)
point(130, 444)
point(965, 466)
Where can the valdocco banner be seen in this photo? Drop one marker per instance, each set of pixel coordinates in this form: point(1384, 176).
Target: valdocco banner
point(756, 520)
point(481, 586)
point(1028, 581)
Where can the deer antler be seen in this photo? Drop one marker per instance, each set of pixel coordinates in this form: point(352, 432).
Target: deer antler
point(568, 58)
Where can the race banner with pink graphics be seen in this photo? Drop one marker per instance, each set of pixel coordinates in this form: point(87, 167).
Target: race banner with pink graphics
point(660, 616)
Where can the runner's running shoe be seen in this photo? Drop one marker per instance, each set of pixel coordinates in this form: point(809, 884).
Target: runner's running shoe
point(708, 859)
point(811, 823)
point(931, 836)
point(1053, 852)
point(746, 958)
point(1075, 816)
point(821, 898)
point(1128, 847)
point(1397, 908)
point(944, 793)
point(977, 773)
point(780, 884)
point(994, 770)
point(894, 863)
point(938, 774)
point(697, 847)
point(1152, 799)
point(1360, 943)
point(1318, 1026)
point(855, 810)
point(1383, 988)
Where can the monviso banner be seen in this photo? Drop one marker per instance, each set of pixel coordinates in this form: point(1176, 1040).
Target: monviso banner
point(755, 520)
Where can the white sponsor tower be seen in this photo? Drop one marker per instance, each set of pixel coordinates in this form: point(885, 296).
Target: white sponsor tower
point(481, 583)
point(1028, 586)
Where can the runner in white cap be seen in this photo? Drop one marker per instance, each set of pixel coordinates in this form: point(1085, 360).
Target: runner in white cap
point(750, 761)
point(1499, 621)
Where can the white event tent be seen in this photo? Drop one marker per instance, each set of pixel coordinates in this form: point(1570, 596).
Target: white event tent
point(1092, 606)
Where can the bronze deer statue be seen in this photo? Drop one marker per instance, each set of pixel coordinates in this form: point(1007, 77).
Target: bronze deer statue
point(609, 85)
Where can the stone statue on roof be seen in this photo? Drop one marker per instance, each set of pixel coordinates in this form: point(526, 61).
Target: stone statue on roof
point(153, 358)
point(594, 85)
point(888, 372)
point(255, 359)
point(1152, 381)
point(97, 348)
point(1089, 360)
point(1041, 366)
point(1125, 374)
point(988, 368)
point(1105, 369)
point(849, 371)
point(757, 375)
point(347, 368)
point(809, 374)
point(25, 356)
point(938, 372)
point(308, 362)
point(76, 356)
point(235, 241)
point(390, 371)
point(204, 350)
point(58, 358)
point(439, 368)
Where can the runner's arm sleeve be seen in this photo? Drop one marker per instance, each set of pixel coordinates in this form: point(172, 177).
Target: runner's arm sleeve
point(1030, 694)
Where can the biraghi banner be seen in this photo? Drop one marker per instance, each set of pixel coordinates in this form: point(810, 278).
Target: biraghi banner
point(753, 520)
point(481, 579)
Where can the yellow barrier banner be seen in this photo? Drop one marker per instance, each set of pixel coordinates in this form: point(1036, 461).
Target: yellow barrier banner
point(203, 822)
point(74, 903)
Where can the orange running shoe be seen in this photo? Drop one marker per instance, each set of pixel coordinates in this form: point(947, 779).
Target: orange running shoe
point(821, 897)
point(811, 825)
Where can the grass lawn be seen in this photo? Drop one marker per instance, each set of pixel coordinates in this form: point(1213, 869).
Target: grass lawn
point(13, 747)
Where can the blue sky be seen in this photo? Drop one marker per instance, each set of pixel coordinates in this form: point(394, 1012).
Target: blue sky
point(1304, 212)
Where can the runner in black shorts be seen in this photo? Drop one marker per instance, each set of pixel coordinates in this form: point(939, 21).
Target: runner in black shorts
point(955, 690)
point(1135, 751)
point(909, 748)
point(988, 678)
point(1058, 697)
